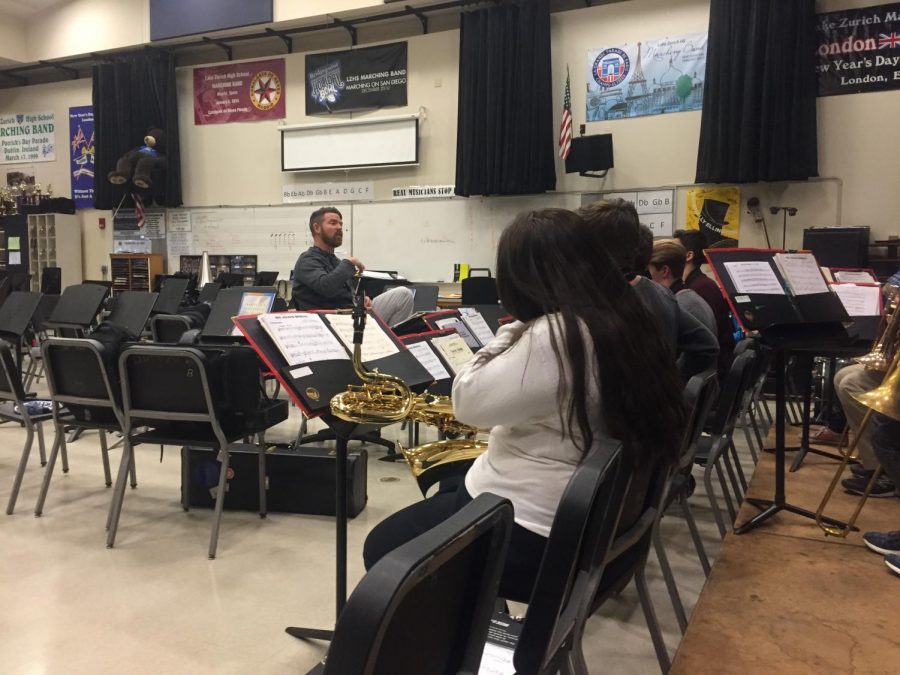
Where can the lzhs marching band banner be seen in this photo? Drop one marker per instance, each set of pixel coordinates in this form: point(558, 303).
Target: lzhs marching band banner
point(373, 77)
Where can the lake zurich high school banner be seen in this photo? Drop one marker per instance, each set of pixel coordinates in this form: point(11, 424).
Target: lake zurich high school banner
point(239, 92)
point(27, 137)
point(646, 78)
point(859, 50)
point(372, 77)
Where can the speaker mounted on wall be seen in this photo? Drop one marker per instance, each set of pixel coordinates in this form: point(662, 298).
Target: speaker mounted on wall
point(590, 154)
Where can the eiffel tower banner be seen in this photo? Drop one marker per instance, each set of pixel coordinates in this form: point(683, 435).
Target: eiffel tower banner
point(651, 77)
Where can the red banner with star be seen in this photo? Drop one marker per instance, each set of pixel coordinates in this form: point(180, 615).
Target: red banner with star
point(239, 92)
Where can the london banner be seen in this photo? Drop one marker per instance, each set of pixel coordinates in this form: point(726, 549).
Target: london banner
point(81, 155)
point(239, 92)
point(646, 78)
point(357, 79)
point(858, 50)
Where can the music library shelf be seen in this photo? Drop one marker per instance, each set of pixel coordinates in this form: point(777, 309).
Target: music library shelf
point(54, 240)
point(134, 271)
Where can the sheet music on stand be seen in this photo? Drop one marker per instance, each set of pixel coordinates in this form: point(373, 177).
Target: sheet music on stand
point(853, 276)
point(304, 351)
point(767, 288)
point(455, 323)
point(859, 299)
point(476, 324)
point(454, 350)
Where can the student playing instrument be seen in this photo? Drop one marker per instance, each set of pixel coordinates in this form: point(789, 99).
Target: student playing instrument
point(577, 365)
point(322, 280)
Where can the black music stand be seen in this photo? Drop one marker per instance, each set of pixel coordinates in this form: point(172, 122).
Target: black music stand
point(132, 310)
point(312, 392)
point(219, 325)
point(16, 315)
point(78, 306)
point(171, 292)
point(804, 324)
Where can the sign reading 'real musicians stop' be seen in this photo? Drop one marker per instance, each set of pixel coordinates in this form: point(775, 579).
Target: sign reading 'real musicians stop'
point(858, 50)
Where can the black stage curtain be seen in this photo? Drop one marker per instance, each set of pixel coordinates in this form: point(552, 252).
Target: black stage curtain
point(759, 106)
point(505, 136)
point(130, 95)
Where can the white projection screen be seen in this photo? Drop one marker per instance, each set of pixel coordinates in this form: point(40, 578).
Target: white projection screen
point(347, 145)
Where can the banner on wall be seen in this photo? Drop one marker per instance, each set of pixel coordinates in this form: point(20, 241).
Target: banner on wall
point(715, 212)
point(858, 50)
point(356, 79)
point(646, 78)
point(81, 155)
point(239, 92)
point(27, 137)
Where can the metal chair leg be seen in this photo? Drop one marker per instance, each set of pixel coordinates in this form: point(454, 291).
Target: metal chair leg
point(104, 453)
point(64, 451)
point(41, 447)
point(732, 475)
point(659, 644)
point(713, 501)
point(669, 578)
point(726, 493)
point(20, 471)
point(739, 469)
point(115, 506)
point(48, 471)
point(220, 504)
point(132, 471)
point(263, 509)
point(695, 534)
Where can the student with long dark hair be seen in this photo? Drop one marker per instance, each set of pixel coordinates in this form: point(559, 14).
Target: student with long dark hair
point(583, 361)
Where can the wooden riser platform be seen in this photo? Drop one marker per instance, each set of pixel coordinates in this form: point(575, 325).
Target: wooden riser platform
point(785, 598)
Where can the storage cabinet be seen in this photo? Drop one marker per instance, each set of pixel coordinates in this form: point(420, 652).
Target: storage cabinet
point(134, 271)
point(245, 265)
point(884, 257)
point(54, 240)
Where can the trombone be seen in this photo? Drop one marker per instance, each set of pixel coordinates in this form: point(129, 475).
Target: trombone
point(884, 399)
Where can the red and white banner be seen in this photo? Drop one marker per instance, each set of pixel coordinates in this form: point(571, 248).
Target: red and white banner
point(239, 92)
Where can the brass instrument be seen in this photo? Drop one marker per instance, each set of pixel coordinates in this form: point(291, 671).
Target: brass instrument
point(884, 399)
point(381, 398)
point(384, 399)
point(880, 357)
point(432, 462)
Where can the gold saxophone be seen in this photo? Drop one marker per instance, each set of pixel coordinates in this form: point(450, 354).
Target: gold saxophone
point(385, 399)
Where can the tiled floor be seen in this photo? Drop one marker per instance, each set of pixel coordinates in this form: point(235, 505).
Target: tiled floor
point(155, 603)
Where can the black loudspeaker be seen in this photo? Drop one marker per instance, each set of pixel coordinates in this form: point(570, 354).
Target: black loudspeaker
point(299, 481)
point(838, 246)
point(590, 153)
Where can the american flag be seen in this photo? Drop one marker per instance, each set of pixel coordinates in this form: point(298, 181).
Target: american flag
point(565, 128)
point(888, 41)
point(138, 209)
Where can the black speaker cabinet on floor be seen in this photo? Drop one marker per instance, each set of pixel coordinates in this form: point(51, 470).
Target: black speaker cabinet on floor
point(838, 246)
point(590, 153)
point(300, 481)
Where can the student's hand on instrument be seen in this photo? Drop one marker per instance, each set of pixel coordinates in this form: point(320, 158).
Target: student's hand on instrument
point(356, 262)
point(367, 303)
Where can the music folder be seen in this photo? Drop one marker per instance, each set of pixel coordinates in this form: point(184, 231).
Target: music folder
point(314, 382)
point(775, 292)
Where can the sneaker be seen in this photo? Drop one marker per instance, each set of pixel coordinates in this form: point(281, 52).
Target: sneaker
point(860, 471)
point(884, 486)
point(893, 562)
point(884, 543)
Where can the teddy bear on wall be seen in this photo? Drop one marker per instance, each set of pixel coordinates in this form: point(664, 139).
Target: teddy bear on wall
point(139, 164)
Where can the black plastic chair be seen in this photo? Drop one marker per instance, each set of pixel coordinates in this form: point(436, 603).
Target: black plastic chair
point(717, 449)
point(426, 606)
point(479, 291)
point(149, 376)
point(168, 328)
point(84, 397)
point(573, 562)
point(14, 408)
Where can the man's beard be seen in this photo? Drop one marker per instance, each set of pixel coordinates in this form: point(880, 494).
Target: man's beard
point(335, 240)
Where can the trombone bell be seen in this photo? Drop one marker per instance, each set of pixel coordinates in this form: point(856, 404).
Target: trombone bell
point(886, 398)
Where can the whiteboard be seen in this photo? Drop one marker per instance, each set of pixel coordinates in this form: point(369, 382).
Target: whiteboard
point(344, 145)
point(423, 239)
point(277, 235)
